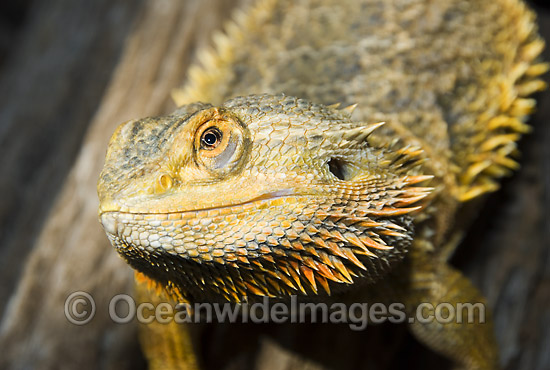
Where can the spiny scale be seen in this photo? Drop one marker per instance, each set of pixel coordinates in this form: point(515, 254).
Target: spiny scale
point(349, 137)
point(320, 255)
point(312, 237)
point(339, 258)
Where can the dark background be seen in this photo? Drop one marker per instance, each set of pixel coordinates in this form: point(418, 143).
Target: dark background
point(69, 66)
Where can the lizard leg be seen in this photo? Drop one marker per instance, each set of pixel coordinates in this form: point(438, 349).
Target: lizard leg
point(166, 345)
point(452, 318)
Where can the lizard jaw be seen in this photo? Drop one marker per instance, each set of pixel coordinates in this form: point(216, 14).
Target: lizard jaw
point(190, 250)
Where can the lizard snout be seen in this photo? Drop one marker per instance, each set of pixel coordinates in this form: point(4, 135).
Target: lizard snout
point(109, 222)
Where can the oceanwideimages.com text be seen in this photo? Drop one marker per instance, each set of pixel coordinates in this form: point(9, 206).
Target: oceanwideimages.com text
point(80, 308)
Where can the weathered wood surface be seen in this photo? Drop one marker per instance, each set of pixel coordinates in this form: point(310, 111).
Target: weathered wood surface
point(63, 74)
point(78, 65)
point(51, 83)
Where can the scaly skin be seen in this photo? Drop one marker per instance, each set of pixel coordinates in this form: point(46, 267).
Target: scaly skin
point(282, 205)
point(274, 195)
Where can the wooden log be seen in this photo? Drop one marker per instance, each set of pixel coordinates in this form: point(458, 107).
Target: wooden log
point(72, 252)
point(50, 86)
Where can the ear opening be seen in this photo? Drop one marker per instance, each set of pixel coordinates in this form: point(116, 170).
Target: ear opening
point(340, 169)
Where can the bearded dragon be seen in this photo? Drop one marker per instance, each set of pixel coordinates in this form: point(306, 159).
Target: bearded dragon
point(259, 184)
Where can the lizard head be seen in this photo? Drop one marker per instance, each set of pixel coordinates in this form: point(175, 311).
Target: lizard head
point(262, 195)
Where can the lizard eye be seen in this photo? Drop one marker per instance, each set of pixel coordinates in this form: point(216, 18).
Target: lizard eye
point(211, 138)
point(219, 144)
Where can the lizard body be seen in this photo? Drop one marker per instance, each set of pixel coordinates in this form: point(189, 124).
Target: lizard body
point(276, 195)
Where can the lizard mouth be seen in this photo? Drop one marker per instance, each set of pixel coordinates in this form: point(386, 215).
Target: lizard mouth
point(115, 222)
point(112, 207)
point(276, 244)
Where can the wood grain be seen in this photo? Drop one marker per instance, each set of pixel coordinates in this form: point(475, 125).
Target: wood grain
point(71, 252)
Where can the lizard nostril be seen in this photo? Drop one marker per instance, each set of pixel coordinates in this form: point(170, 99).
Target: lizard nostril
point(165, 182)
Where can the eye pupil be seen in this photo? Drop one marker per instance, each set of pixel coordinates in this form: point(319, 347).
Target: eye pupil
point(211, 138)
